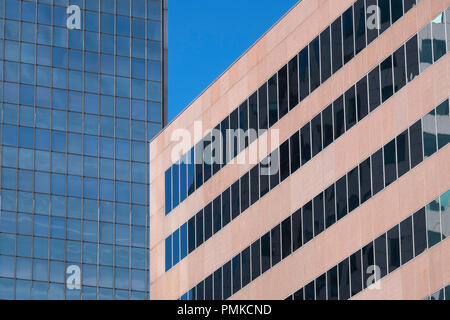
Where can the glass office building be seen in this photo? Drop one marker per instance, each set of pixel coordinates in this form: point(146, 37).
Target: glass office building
point(82, 93)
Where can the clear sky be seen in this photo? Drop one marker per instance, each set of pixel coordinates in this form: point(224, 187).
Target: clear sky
point(207, 36)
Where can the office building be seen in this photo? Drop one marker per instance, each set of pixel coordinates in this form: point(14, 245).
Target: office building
point(349, 196)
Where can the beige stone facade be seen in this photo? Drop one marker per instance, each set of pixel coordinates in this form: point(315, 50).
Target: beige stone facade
point(420, 277)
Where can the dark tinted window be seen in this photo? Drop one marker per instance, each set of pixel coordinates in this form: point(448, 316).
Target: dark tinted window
point(433, 222)
point(243, 125)
point(245, 266)
point(377, 172)
point(207, 168)
point(305, 143)
point(406, 240)
point(208, 221)
point(297, 229)
point(295, 151)
point(216, 152)
point(209, 288)
point(387, 88)
point(319, 218)
point(168, 190)
point(245, 196)
point(235, 201)
point(293, 82)
point(284, 160)
point(374, 88)
point(360, 26)
point(327, 126)
point(402, 153)
point(316, 128)
point(341, 198)
point(274, 169)
point(253, 115)
point(226, 208)
point(276, 244)
point(332, 283)
point(314, 67)
point(347, 27)
point(299, 295)
point(385, 12)
point(415, 142)
point(199, 227)
point(412, 58)
point(330, 210)
point(283, 91)
point(429, 134)
point(362, 99)
point(264, 182)
point(390, 170)
point(234, 142)
point(217, 214)
point(344, 280)
point(336, 44)
point(380, 254)
point(191, 172)
point(409, 4)
point(393, 249)
point(396, 9)
point(256, 259)
point(325, 54)
point(286, 234)
point(226, 278)
point(236, 264)
point(200, 291)
point(399, 69)
point(372, 33)
point(350, 108)
point(321, 287)
point(304, 73)
point(262, 101)
point(420, 232)
point(339, 118)
point(356, 272)
point(365, 181)
point(307, 222)
point(218, 284)
point(353, 189)
point(191, 234)
point(273, 101)
point(310, 291)
point(368, 263)
point(265, 252)
point(442, 121)
point(254, 184)
point(175, 185)
point(224, 126)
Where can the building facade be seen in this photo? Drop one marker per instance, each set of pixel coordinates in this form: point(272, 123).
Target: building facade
point(345, 106)
point(83, 92)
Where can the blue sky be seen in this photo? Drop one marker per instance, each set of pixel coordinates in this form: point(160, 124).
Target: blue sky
point(207, 36)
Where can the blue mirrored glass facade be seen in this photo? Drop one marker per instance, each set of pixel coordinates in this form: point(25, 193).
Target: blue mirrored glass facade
point(78, 109)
